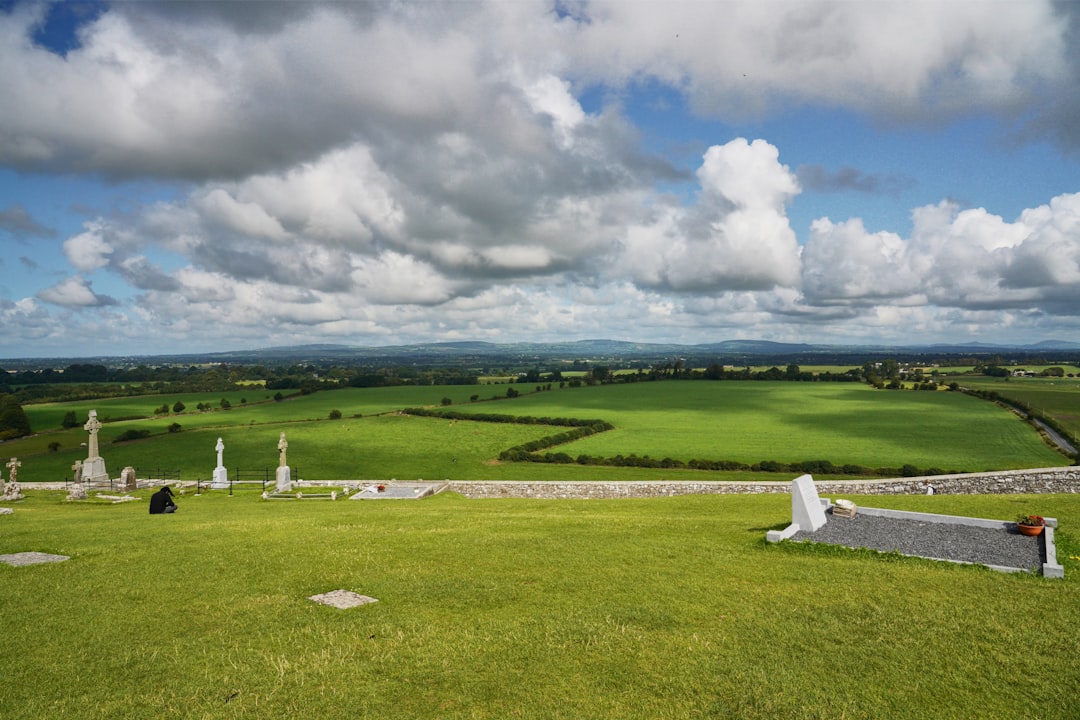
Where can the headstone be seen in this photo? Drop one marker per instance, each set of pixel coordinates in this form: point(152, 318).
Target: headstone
point(11, 487)
point(806, 509)
point(77, 491)
point(127, 480)
point(93, 468)
point(221, 475)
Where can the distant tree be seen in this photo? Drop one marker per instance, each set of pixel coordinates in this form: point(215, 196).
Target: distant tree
point(225, 404)
point(174, 428)
point(13, 420)
point(335, 414)
point(447, 401)
point(70, 420)
point(54, 446)
point(163, 410)
point(474, 398)
point(178, 407)
point(512, 393)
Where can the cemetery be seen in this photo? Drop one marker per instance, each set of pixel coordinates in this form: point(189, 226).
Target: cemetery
point(673, 598)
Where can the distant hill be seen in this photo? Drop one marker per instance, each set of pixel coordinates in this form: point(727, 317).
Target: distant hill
point(487, 354)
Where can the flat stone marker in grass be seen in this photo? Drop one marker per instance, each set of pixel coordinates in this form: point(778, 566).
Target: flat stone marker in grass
point(342, 599)
point(31, 558)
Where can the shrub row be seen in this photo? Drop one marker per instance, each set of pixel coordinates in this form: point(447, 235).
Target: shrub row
point(495, 418)
point(816, 467)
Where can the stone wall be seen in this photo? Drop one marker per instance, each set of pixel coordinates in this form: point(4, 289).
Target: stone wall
point(1044, 480)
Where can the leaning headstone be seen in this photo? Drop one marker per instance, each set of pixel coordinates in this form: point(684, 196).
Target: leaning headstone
point(806, 509)
point(127, 480)
point(283, 476)
point(93, 468)
point(221, 475)
point(807, 512)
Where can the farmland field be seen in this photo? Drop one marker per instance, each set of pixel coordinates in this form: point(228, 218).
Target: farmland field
point(1057, 397)
point(788, 422)
point(744, 421)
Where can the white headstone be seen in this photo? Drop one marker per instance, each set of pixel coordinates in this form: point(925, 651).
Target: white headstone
point(806, 509)
point(221, 475)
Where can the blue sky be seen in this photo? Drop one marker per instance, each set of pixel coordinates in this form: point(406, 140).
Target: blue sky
point(200, 176)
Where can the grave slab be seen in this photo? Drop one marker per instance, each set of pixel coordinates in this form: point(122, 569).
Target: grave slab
point(342, 599)
point(31, 558)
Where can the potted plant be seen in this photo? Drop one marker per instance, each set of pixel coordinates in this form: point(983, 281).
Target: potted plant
point(1030, 524)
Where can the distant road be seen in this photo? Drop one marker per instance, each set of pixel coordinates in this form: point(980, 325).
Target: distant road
point(1061, 442)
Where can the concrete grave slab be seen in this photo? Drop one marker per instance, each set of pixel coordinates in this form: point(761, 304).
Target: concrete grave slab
point(31, 558)
point(342, 599)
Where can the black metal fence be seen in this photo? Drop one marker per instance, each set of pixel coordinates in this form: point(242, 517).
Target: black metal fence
point(240, 478)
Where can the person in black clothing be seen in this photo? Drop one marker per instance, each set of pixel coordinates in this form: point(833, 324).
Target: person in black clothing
point(162, 502)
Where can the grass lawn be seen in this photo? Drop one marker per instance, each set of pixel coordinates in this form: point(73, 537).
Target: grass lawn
point(650, 608)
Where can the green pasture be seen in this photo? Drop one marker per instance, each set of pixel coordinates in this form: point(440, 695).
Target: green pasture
point(259, 405)
point(744, 421)
point(789, 422)
point(627, 609)
point(1056, 397)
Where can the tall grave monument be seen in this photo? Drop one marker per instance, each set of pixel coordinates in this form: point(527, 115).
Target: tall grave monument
point(284, 475)
point(221, 475)
point(93, 467)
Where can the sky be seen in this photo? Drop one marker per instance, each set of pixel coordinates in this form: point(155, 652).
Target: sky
point(209, 176)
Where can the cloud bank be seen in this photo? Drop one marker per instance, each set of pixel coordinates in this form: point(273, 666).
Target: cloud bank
point(402, 172)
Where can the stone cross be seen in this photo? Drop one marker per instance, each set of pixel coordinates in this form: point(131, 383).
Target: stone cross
point(77, 469)
point(282, 446)
point(219, 447)
point(14, 466)
point(92, 426)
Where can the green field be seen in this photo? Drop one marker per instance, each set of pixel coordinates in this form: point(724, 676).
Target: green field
point(1056, 397)
point(754, 421)
point(649, 608)
point(742, 421)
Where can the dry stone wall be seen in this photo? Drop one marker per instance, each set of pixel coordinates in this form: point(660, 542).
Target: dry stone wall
point(1043, 480)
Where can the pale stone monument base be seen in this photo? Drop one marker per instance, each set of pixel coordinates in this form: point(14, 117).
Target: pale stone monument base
point(77, 492)
point(93, 471)
point(12, 492)
point(221, 479)
point(284, 479)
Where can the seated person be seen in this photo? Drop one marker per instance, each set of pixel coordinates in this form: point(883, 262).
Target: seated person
point(161, 502)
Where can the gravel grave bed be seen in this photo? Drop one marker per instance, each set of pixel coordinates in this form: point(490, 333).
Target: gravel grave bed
point(944, 541)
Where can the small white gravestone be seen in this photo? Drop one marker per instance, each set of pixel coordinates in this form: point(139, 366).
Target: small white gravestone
point(93, 468)
point(221, 475)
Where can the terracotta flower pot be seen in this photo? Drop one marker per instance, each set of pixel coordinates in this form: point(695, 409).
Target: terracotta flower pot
point(1030, 529)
